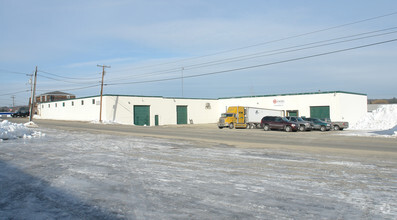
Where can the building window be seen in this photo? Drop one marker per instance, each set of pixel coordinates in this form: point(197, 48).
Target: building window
point(42, 106)
point(49, 105)
point(56, 105)
point(63, 104)
point(82, 102)
point(93, 101)
point(72, 103)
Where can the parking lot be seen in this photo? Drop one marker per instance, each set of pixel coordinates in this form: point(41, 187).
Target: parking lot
point(93, 171)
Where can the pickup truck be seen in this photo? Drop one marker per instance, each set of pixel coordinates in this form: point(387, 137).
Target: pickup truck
point(337, 125)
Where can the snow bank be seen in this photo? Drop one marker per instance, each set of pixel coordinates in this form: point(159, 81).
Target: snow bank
point(383, 118)
point(9, 130)
point(380, 122)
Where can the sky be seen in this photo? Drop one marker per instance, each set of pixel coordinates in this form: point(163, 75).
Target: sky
point(197, 49)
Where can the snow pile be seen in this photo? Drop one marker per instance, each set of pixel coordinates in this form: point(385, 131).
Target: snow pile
point(383, 118)
point(9, 130)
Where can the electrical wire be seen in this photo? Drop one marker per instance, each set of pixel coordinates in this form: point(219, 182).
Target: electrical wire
point(60, 80)
point(259, 65)
point(79, 78)
point(269, 42)
point(264, 53)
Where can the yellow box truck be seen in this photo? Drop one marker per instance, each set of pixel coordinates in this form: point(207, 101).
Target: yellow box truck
point(245, 117)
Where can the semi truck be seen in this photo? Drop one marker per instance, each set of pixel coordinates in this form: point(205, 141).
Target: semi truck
point(245, 117)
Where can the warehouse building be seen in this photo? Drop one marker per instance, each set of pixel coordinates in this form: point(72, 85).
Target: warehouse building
point(157, 110)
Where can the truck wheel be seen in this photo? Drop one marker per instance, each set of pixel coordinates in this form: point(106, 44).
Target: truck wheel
point(249, 126)
point(302, 128)
point(288, 128)
point(231, 126)
point(220, 127)
point(266, 127)
point(322, 128)
point(336, 128)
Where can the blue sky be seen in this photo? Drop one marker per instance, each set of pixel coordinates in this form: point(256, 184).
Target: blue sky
point(150, 45)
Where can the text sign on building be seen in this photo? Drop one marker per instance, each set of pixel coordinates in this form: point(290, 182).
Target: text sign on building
point(278, 102)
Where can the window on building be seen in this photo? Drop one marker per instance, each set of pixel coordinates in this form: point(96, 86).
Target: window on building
point(49, 105)
point(63, 104)
point(93, 101)
point(56, 105)
point(82, 102)
point(42, 106)
point(72, 103)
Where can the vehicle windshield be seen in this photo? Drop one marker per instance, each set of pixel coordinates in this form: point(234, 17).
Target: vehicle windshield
point(225, 115)
point(285, 119)
point(300, 119)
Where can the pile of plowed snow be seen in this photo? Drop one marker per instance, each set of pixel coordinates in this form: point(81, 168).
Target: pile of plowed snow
point(9, 130)
point(383, 118)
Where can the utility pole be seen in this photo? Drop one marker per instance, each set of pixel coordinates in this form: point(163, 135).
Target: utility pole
point(182, 79)
point(32, 97)
point(103, 75)
point(13, 101)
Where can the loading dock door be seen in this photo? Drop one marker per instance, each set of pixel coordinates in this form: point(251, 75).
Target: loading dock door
point(142, 115)
point(319, 112)
point(181, 115)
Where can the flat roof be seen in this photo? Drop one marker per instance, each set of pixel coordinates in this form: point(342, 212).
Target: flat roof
point(287, 94)
point(291, 94)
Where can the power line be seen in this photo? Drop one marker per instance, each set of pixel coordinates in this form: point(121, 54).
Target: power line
point(266, 53)
point(79, 78)
point(13, 72)
point(12, 93)
point(261, 65)
point(60, 80)
point(71, 89)
point(269, 42)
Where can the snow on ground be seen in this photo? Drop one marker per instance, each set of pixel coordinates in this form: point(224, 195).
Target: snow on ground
point(9, 130)
point(73, 175)
point(380, 122)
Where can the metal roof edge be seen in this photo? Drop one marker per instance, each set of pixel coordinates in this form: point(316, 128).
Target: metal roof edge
point(291, 94)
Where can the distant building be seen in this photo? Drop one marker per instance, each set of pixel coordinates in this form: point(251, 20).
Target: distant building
point(54, 96)
point(51, 97)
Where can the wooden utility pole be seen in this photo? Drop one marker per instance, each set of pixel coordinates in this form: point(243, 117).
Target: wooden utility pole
point(32, 97)
point(103, 75)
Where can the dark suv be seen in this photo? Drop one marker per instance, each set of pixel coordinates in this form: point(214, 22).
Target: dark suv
point(303, 124)
point(22, 112)
point(278, 123)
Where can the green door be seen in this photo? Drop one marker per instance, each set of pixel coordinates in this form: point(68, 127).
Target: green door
point(156, 120)
point(181, 115)
point(142, 115)
point(319, 112)
point(292, 113)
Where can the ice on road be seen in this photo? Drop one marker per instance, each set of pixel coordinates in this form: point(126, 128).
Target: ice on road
point(72, 175)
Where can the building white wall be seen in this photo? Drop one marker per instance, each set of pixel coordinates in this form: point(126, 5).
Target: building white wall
point(343, 107)
point(120, 109)
point(64, 110)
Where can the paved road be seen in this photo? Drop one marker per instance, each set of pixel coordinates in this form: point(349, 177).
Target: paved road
point(255, 138)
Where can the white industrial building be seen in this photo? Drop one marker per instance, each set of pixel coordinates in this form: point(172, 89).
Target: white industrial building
point(152, 110)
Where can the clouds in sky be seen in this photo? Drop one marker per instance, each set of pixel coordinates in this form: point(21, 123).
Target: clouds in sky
point(71, 37)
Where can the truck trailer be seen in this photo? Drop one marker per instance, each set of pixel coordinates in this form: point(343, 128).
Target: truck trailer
point(246, 117)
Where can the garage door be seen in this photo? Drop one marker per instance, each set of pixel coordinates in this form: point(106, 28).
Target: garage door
point(181, 115)
point(319, 112)
point(142, 115)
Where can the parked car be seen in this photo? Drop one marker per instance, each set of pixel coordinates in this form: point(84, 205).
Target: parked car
point(278, 123)
point(22, 112)
point(319, 124)
point(302, 124)
point(337, 125)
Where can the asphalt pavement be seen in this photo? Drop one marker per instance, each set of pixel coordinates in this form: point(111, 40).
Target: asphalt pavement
point(243, 138)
